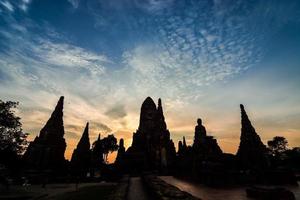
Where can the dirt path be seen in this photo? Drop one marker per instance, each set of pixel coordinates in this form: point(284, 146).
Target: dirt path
point(137, 190)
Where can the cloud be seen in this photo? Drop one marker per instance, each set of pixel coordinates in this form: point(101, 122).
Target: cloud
point(24, 5)
point(63, 54)
point(17, 4)
point(41, 63)
point(116, 112)
point(74, 3)
point(103, 128)
point(7, 5)
point(191, 50)
point(153, 5)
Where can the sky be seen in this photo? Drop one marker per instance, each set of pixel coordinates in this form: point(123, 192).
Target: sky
point(202, 57)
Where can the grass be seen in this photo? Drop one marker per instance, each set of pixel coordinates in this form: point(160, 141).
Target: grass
point(88, 193)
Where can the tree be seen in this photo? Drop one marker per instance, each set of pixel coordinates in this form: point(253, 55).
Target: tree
point(109, 145)
point(12, 137)
point(102, 147)
point(278, 145)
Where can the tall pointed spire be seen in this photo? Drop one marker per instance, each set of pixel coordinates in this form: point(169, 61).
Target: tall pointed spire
point(84, 142)
point(247, 130)
point(160, 116)
point(121, 152)
point(184, 142)
point(180, 147)
point(251, 152)
point(159, 107)
point(54, 127)
point(81, 157)
point(247, 127)
point(47, 150)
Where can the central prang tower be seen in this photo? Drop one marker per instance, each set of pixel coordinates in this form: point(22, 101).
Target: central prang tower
point(152, 148)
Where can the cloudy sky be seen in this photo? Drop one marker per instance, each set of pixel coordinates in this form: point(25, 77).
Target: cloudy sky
point(202, 57)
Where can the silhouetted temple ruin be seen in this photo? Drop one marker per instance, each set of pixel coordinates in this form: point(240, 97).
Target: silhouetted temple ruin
point(201, 160)
point(121, 152)
point(47, 150)
point(152, 148)
point(81, 157)
point(182, 147)
point(97, 158)
point(252, 152)
point(205, 146)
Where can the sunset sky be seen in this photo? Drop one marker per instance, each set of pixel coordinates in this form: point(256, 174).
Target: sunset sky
point(202, 57)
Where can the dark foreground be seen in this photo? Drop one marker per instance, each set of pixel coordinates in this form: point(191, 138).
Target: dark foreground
point(209, 193)
point(131, 188)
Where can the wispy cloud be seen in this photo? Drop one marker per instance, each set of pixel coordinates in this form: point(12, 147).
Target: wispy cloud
point(116, 112)
point(154, 5)
point(62, 54)
point(24, 5)
point(7, 5)
point(74, 3)
point(12, 6)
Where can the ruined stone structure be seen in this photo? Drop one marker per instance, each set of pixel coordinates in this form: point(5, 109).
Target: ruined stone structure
point(182, 148)
point(47, 150)
point(252, 152)
point(97, 152)
point(205, 146)
point(152, 148)
point(121, 152)
point(184, 143)
point(81, 157)
point(193, 161)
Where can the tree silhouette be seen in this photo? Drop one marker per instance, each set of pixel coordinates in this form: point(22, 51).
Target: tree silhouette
point(102, 147)
point(278, 145)
point(109, 145)
point(12, 137)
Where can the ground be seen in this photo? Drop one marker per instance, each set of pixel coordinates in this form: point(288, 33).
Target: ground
point(90, 192)
point(60, 191)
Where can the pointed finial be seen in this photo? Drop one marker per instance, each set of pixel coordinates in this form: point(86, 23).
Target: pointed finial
point(243, 112)
point(60, 102)
point(184, 142)
point(61, 98)
point(59, 106)
point(121, 142)
point(242, 107)
point(159, 102)
point(84, 141)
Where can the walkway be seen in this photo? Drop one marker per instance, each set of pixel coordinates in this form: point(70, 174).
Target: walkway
point(137, 190)
point(209, 193)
